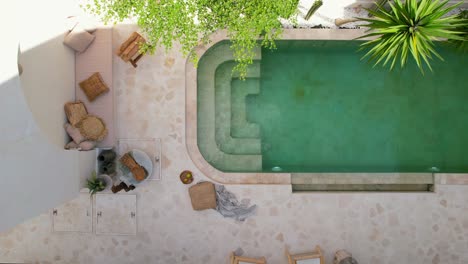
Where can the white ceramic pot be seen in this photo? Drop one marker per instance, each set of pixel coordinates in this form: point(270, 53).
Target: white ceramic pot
point(108, 180)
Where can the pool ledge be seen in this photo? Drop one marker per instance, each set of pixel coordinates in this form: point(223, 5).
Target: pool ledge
point(451, 179)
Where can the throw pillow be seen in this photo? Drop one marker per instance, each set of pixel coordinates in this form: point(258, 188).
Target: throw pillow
point(94, 86)
point(78, 39)
point(75, 111)
point(87, 145)
point(74, 133)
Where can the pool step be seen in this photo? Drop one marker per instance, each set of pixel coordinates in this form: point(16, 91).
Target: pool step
point(362, 188)
point(240, 89)
point(362, 181)
point(206, 128)
point(224, 111)
point(228, 162)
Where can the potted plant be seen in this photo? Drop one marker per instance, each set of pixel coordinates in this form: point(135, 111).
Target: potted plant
point(98, 184)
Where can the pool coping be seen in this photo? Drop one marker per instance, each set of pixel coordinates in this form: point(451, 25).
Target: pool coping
point(264, 177)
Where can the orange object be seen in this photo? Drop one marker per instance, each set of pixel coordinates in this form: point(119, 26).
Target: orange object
point(138, 171)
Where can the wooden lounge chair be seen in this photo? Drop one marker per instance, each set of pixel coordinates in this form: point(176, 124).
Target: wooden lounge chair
point(245, 260)
point(314, 257)
point(129, 51)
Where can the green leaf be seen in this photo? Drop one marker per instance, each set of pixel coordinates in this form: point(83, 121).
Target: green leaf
point(411, 27)
point(189, 23)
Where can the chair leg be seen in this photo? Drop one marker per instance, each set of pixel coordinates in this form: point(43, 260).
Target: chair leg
point(231, 257)
point(290, 260)
point(322, 258)
point(134, 61)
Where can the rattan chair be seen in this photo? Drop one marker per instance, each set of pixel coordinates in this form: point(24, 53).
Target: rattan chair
point(313, 257)
point(245, 260)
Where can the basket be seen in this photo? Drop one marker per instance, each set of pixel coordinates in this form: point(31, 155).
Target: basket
point(92, 128)
point(203, 196)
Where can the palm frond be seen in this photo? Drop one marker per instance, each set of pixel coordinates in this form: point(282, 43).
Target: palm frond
point(411, 27)
point(462, 27)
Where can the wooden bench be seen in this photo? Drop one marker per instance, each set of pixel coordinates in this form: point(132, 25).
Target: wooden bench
point(98, 58)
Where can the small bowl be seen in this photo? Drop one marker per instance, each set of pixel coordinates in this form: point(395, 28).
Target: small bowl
point(183, 177)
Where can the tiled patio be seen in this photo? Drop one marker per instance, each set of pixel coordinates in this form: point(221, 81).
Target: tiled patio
point(377, 228)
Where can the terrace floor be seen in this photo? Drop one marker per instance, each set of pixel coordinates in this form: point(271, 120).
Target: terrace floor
point(377, 228)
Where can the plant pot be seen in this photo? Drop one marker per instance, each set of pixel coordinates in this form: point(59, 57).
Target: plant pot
point(107, 156)
point(108, 168)
point(107, 180)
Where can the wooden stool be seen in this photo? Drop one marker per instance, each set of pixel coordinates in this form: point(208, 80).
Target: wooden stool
point(131, 48)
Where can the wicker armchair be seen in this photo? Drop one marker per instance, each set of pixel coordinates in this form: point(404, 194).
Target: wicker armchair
point(245, 260)
point(313, 257)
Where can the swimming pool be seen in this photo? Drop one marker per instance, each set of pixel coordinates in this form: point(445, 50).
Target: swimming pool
point(313, 106)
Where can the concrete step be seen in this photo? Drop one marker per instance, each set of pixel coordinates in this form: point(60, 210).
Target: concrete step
point(206, 116)
point(388, 182)
point(228, 162)
point(362, 178)
point(362, 188)
point(223, 112)
point(240, 89)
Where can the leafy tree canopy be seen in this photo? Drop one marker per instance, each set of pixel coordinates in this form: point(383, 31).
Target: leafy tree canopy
point(190, 22)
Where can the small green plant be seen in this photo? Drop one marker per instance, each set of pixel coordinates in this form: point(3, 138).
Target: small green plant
point(95, 184)
point(410, 28)
point(189, 23)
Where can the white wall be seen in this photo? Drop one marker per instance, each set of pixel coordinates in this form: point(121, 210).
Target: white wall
point(48, 81)
point(36, 173)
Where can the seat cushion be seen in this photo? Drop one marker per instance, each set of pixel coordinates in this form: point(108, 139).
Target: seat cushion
point(203, 196)
point(94, 86)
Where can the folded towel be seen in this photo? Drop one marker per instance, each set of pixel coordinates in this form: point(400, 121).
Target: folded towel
point(229, 206)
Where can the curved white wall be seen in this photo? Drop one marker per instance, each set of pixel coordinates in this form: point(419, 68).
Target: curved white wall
point(36, 173)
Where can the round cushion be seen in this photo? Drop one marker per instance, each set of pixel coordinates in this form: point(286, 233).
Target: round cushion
point(92, 128)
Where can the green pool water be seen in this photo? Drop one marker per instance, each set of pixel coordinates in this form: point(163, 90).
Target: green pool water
point(321, 109)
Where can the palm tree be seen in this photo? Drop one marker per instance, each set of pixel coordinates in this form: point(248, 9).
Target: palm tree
point(410, 27)
point(462, 45)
